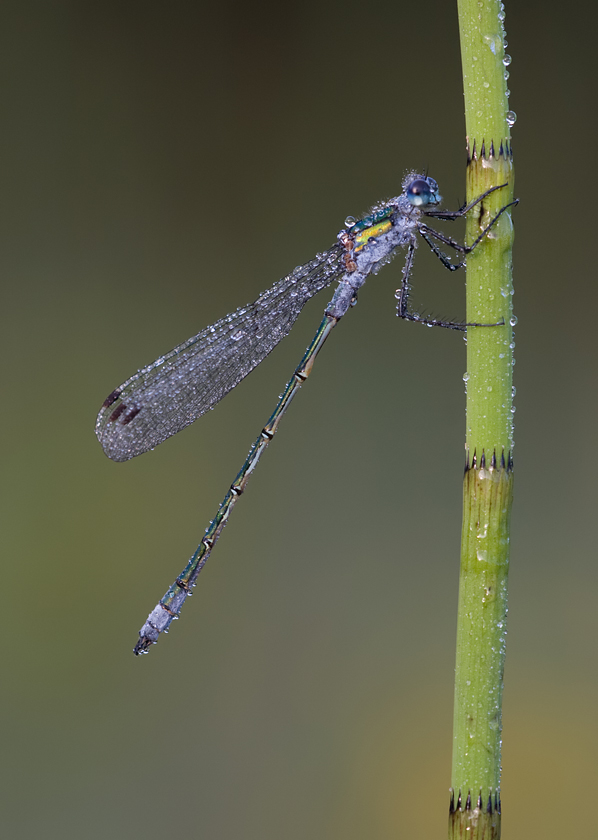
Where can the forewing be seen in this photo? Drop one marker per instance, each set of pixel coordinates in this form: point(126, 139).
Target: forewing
point(176, 389)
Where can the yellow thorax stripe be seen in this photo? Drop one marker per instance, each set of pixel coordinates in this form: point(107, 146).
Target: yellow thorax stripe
point(370, 233)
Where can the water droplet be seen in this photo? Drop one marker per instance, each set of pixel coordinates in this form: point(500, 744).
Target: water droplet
point(506, 75)
point(489, 388)
point(482, 554)
point(513, 410)
point(513, 320)
point(513, 391)
point(486, 84)
point(349, 221)
point(465, 376)
point(492, 41)
point(501, 15)
point(511, 118)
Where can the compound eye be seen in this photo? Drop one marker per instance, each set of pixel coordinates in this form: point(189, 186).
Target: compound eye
point(419, 192)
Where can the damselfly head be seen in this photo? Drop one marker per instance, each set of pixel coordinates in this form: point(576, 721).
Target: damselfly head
point(422, 191)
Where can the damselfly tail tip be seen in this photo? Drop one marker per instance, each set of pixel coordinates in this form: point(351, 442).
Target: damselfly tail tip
point(157, 621)
point(143, 645)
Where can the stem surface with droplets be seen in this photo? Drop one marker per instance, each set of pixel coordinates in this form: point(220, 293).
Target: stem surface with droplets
point(487, 491)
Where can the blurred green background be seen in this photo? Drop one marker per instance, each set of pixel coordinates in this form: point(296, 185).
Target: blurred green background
point(162, 165)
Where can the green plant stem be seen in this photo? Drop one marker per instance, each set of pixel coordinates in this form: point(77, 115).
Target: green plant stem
point(481, 627)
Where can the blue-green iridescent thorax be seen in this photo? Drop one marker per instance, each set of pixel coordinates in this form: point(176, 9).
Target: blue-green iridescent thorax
point(420, 191)
point(372, 226)
point(380, 215)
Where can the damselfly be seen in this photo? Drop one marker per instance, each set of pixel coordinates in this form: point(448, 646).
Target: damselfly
point(176, 389)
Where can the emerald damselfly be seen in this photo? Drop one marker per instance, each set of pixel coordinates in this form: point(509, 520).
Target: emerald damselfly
point(164, 397)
